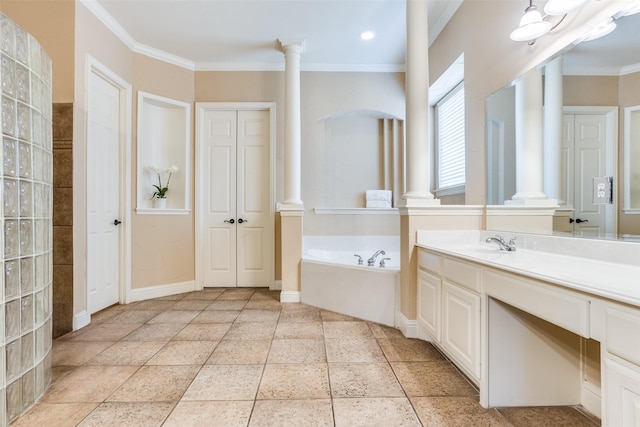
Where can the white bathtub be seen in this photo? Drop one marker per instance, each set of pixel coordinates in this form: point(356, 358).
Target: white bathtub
point(332, 279)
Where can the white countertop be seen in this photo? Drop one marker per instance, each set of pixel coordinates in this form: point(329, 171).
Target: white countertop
point(619, 281)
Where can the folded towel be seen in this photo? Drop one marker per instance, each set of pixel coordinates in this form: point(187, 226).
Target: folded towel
point(379, 195)
point(378, 204)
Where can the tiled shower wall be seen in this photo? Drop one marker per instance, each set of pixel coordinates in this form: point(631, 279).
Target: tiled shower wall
point(62, 219)
point(26, 300)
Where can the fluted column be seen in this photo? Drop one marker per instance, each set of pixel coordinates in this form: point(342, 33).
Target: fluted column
point(292, 50)
point(418, 173)
point(553, 104)
point(529, 139)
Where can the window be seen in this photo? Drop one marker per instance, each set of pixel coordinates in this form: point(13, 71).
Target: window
point(449, 142)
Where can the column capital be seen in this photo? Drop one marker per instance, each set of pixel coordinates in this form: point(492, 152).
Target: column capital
point(293, 45)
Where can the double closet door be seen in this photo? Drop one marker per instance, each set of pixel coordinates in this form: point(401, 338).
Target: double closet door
point(237, 226)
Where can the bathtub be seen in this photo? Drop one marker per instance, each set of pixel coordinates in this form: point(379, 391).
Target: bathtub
point(332, 279)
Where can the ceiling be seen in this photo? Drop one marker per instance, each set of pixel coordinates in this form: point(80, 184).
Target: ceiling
point(243, 34)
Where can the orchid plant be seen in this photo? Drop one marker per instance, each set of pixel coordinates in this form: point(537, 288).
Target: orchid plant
point(161, 190)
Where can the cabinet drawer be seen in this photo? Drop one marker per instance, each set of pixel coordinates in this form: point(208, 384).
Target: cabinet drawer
point(565, 309)
point(464, 274)
point(429, 261)
point(622, 328)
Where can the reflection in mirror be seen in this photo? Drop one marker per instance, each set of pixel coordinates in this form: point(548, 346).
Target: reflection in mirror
point(631, 158)
point(603, 72)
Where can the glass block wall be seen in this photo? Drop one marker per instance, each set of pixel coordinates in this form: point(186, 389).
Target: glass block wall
point(26, 178)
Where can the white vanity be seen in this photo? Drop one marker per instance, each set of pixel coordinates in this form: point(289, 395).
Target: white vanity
point(556, 322)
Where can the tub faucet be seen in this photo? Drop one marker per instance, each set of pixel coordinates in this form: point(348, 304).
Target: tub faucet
point(504, 246)
point(371, 261)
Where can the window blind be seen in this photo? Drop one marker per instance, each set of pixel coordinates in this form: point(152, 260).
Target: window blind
point(450, 139)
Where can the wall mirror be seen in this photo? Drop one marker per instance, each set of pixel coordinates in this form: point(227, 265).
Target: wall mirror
point(600, 77)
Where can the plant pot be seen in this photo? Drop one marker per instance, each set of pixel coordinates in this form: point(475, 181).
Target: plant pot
point(160, 203)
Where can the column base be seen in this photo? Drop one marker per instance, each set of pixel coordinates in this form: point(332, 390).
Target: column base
point(417, 201)
point(532, 202)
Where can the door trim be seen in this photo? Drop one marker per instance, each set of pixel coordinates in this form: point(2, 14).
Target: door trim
point(611, 151)
point(201, 108)
point(93, 66)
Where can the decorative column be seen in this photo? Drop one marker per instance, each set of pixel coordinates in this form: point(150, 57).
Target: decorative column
point(529, 140)
point(292, 208)
point(417, 201)
point(553, 104)
point(418, 172)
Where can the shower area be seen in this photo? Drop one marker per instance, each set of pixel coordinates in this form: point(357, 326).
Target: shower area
point(26, 178)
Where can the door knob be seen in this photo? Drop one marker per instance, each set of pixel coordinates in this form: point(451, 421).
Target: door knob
point(230, 221)
point(578, 221)
point(240, 220)
point(116, 222)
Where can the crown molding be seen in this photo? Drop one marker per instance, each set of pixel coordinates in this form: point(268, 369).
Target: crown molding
point(103, 16)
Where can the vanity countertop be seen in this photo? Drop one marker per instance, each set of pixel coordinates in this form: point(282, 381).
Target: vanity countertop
point(619, 281)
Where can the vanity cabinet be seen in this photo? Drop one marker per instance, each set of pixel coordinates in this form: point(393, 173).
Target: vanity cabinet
point(449, 309)
point(461, 327)
point(622, 366)
point(537, 327)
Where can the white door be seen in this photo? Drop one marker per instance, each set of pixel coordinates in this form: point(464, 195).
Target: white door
point(585, 158)
point(237, 247)
point(103, 193)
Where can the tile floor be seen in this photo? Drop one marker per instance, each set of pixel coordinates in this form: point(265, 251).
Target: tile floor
point(237, 357)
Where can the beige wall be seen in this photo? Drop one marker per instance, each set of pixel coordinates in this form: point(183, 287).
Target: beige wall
point(590, 90)
point(51, 22)
point(162, 246)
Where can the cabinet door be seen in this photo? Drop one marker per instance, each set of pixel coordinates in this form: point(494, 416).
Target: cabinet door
point(622, 405)
point(461, 327)
point(429, 289)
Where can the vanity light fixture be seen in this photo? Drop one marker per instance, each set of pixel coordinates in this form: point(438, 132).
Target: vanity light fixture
point(562, 7)
point(532, 25)
point(367, 35)
point(600, 31)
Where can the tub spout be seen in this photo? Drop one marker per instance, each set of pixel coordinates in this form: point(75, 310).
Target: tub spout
point(371, 261)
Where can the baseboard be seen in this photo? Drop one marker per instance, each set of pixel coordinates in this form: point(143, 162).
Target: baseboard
point(80, 320)
point(289, 296)
point(408, 327)
point(276, 286)
point(159, 291)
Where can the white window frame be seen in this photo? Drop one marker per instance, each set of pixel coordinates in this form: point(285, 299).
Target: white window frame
point(458, 188)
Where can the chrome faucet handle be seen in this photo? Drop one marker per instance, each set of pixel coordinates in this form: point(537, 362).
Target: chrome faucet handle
point(512, 241)
point(382, 262)
point(359, 259)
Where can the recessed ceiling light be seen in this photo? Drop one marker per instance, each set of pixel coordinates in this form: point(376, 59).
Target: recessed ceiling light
point(367, 35)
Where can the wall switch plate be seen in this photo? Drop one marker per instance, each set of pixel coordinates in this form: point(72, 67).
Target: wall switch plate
point(602, 190)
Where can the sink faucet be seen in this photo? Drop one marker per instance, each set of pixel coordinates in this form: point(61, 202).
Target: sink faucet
point(504, 246)
point(371, 261)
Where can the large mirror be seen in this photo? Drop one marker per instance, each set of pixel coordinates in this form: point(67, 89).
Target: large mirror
point(600, 90)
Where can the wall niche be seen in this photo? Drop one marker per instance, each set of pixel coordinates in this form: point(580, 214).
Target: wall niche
point(164, 141)
point(373, 141)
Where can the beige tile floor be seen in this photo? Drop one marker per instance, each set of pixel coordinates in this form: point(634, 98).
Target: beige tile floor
point(237, 357)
